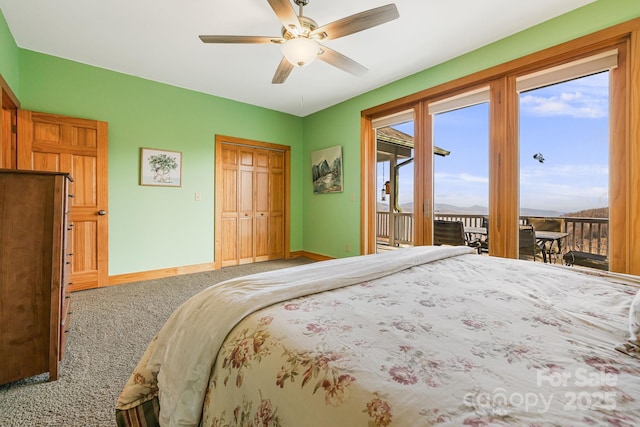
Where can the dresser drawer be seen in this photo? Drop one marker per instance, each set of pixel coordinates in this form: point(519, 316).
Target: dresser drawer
point(65, 323)
point(66, 274)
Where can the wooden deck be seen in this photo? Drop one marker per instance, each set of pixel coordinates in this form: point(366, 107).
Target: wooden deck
point(584, 235)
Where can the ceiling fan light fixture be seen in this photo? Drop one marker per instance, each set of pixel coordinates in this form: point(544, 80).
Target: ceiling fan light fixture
point(301, 37)
point(300, 51)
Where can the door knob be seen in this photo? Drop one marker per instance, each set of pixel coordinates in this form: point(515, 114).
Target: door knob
point(102, 212)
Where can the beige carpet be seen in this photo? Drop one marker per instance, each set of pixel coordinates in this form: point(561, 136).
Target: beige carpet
point(110, 329)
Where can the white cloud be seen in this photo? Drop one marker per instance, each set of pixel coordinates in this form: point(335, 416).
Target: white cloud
point(576, 105)
point(587, 97)
point(561, 172)
point(565, 188)
point(459, 178)
point(554, 197)
point(461, 189)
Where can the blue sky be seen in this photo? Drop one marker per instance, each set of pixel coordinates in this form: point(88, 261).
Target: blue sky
point(567, 123)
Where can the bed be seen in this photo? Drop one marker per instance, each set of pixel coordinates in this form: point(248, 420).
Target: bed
point(414, 337)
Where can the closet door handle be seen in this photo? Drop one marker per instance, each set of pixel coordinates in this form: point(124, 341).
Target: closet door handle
point(102, 212)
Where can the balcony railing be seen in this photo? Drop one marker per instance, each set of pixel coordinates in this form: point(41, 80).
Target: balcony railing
point(585, 234)
point(588, 234)
point(403, 228)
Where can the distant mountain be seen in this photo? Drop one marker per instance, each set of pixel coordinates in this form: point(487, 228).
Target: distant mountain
point(590, 213)
point(539, 212)
point(443, 208)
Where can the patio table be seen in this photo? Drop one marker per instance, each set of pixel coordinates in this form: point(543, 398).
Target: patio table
point(546, 239)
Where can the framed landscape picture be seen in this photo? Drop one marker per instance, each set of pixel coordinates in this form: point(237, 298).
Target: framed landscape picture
point(326, 167)
point(160, 167)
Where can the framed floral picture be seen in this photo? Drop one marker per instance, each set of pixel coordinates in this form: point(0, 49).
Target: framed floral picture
point(326, 167)
point(160, 167)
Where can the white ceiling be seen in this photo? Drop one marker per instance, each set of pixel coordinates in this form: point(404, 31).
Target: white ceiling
point(158, 40)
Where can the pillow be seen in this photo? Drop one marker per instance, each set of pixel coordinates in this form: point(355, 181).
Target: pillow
point(632, 347)
point(634, 320)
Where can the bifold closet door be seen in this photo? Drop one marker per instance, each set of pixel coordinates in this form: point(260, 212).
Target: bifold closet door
point(276, 202)
point(252, 220)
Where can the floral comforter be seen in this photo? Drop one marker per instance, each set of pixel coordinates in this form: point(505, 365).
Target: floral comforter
point(417, 337)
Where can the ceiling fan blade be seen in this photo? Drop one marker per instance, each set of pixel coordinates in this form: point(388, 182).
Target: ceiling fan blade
point(285, 13)
point(283, 71)
point(358, 22)
point(241, 39)
point(338, 60)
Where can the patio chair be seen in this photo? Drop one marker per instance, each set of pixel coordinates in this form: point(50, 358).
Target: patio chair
point(452, 233)
point(586, 259)
point(528, 247)
point(484, 240)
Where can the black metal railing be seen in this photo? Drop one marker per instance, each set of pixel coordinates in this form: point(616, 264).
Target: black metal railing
point(585, 234)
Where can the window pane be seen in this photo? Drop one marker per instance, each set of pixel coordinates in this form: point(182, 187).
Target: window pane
point(461, 173)
point(564, 158)
point(461, 178)
point(394, 184)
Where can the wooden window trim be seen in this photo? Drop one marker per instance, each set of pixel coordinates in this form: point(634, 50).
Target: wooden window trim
point(503, 174)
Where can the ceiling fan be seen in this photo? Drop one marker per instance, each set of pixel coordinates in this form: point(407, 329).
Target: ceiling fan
point(300, 37)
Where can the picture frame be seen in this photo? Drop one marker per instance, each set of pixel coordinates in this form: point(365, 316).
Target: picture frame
point(326, 169)
point(160, 167)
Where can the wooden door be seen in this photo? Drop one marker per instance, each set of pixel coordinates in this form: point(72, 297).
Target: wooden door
point(246, 233)
point(8, 126)
point(276, 203)
point(7, 152)
point(262, 197)
point(227, 206)
point(48, 142)
point(241, 183)
point(251, 196)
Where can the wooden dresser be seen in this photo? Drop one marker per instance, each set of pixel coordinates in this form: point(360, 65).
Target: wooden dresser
point(34, 272)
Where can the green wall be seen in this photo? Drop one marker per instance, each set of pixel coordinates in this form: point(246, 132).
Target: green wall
point(340, 124)
point(8, 57)
point(152, 227)
point(157, 227)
